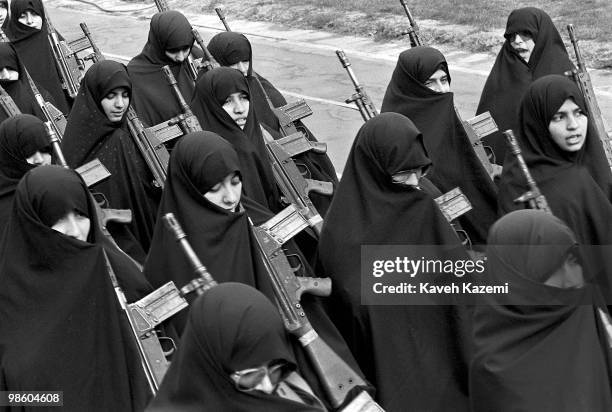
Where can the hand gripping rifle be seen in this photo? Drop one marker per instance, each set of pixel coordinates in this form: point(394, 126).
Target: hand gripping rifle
point(335, 375)
point(534, 197)
point(186, 120)
point(147, 141)
point(583, 80)
point(360, 97)
point(65, 61)
point(413, 31)
point(208, 61)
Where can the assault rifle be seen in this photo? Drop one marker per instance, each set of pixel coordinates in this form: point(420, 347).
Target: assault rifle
point(583, 80)
point(360, 97)
point(149, 141)
point(142, 317)
point(413, 31)
point(294, 186)
point(534, 197)
point(50, 112)
point(67, 65)
point(8, 104)
point(193, 65)
point(186, 120)
point(335, 375)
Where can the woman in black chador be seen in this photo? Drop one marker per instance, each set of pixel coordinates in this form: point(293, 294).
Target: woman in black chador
point(543, 346)
point(24, 144)
point(203, 191)
point(61, 327)
point(28, 32)
point(533, 48)
point(234, 50)
point(569, 167)
point(420, 90)
point(238, 124)
point(234, 356)
point(17, 85)
point(416, 356)
point(97, 128)
point(170, 42)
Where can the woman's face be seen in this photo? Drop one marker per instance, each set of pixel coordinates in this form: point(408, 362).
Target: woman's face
point(237, 106)
point(178, 55)
point(242, 66)
point(568, 276)
point(31, 19)
point(264, 378)
point(116, 103)
point(39, 158)
point(73, 224)
point(3, 14)
point(226, 194)
point(438, 82)
point(408, 177)
point(568, 126)
point(523, 44)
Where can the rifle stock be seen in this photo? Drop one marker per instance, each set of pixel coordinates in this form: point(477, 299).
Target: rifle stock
point(335, 375)
point(583, 80)
point(534, 197)
point(360, 97)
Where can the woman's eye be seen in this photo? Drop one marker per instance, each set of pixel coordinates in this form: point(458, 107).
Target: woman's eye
point(557, 118)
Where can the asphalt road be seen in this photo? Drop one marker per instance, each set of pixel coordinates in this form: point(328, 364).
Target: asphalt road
point(304, 64)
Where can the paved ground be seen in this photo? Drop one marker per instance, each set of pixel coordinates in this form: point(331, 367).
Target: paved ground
point(302, 63)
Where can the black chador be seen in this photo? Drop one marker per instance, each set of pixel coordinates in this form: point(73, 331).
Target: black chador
point(454, 162)
point(90, 134)
point(34, 50)
point(221, 238)
point(61, 327)
point(229, 48)
point(20, 137)
point(153, 97)
point(415, 356)
point(511, 75)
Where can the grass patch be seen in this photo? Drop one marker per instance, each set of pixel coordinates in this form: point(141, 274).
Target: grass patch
point(475, 25)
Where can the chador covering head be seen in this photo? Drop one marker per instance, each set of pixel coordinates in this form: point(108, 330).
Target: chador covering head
point(231, 327)
point(34, 50)
point(19, 89)
point(153, 98)
point(90, 134)
point(20, 137)
point(222, 239)
point(229, 48)
point(59, 315)
point(526, 353)
point(454, 162)
point(576, 184)
point(511, 75)
point(212, 90)
point(369, 208)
